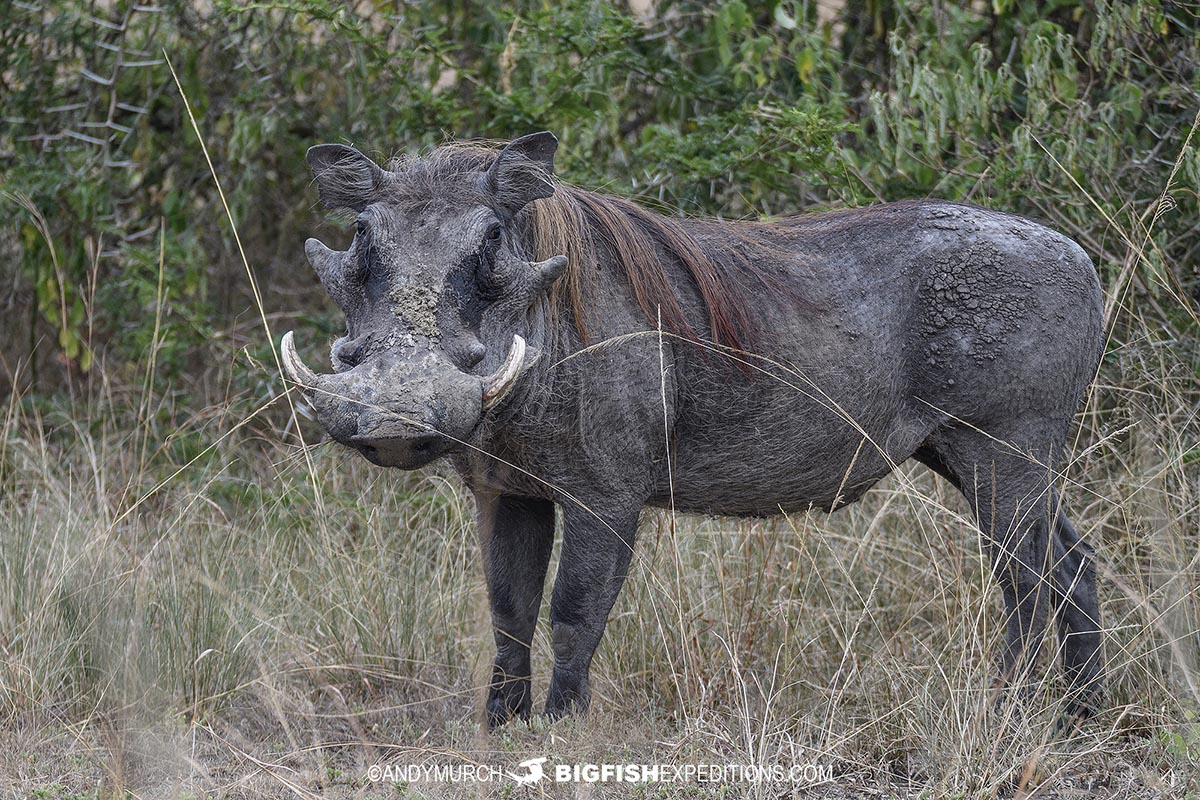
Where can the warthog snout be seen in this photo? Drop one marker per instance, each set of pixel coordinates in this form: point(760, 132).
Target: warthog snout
point(404, 410)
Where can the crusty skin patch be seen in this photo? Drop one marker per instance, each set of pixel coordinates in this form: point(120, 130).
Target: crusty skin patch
point(416, 304)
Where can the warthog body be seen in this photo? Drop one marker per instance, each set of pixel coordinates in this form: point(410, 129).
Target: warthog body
point(566, 348)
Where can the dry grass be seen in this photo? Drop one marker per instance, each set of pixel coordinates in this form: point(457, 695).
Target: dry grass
point(218, 637)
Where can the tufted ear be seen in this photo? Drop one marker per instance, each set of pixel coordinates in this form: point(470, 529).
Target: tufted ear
point(523, 172)
point(345, 177)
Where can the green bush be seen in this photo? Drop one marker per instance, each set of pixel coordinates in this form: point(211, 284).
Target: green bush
point(1072, 112)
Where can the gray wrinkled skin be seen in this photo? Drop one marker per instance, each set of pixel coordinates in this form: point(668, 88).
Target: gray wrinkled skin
point(961, 337)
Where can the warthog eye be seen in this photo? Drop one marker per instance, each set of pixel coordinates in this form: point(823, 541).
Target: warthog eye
point(485, 262)
point(359, 268)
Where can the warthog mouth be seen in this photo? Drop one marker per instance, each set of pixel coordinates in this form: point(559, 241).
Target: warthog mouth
point(419, 450)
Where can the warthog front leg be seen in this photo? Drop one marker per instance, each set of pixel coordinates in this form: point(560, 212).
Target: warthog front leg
point(596, 552)
point(516, 535)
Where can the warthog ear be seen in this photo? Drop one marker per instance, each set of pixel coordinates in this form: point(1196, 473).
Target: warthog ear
point(345, 177)
point(523, 172)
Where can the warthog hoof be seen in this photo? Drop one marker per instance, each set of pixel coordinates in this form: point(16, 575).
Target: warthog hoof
point(507, 699)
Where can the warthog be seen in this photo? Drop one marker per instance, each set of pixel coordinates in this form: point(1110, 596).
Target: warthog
point(571, 349)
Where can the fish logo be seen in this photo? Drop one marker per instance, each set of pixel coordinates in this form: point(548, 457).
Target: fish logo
point(534, 772)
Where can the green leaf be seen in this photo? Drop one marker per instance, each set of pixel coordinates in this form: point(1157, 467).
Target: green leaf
point(806, 62)
point(783, 19)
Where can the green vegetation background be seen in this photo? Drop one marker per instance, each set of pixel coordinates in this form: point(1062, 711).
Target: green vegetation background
point(1074, 113)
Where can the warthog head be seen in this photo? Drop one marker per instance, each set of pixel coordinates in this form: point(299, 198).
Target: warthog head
point(436, 290)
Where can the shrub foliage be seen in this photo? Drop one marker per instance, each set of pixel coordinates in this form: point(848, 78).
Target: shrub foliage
point(117, 245)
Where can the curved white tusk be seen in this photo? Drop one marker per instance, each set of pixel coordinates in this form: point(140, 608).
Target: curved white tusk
point(295, 368)
point(496, 385)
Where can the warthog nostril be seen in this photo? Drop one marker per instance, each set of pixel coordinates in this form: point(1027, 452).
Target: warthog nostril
point(423, 443)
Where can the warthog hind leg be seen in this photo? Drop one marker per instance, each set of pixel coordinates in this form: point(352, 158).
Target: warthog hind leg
point(1038, 559)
